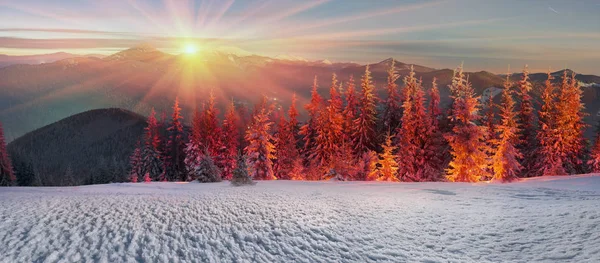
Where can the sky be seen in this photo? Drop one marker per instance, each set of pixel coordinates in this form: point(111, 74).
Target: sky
point(483, 34)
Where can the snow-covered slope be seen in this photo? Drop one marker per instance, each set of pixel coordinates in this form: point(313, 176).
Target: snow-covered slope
point(547, 220)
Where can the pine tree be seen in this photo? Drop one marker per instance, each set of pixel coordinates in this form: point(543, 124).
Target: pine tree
point(350, 111)
point(7, 175)
point(368, 167)
point(260, 149)
point(364, 134)
point(207, 171)
point(505, 161)
point(240, 174)
point(387, 162)
point(175, 156)
point(549, 153)
point(194, 148)
point(570, 114)
point(413, 135)
point(289, 164)
point(489, 121)
point(230, 141)
point(393, 104)
point(436, 148)
point(135, 164)
point(527, 126)
point(210, 130)
point(152, 162)
point(309, 130)
point(467, 140)
point(329, 127)
point(594, 161)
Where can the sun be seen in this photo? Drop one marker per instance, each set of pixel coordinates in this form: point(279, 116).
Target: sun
point(190, 49)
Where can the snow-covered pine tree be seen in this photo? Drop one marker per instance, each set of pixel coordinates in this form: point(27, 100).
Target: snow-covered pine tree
point(240, 174)
point(364, 134)
point(7, 174)
point(570, 111)
point(388, 167)
point(368, 166)
point(210, 130)
point(505, 162)
point(393, 104)
point(436, 150)
point(289, 164)
point(135, 164)
point(207, 171)
point(527, 125)
point(350, 111)
point(230, 142)
point(260, 149)
point(467, 140)
point(329, 127)
point(549, 155)
point(152, 162)
point(594, 161)
point(309, 130)
point(491, 136)
point(413, 134)
point(175, 155)
point(194, 148)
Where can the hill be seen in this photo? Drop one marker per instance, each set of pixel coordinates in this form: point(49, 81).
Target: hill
point(90, 147)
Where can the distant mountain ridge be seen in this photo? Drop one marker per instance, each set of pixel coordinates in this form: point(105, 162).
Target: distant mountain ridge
point(7, 60)
point(142, 77)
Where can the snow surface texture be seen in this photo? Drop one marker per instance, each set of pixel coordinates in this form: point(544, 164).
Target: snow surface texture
point(539, 220)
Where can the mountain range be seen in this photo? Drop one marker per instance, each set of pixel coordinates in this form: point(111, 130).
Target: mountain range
point(6, 60)
point(142, 77)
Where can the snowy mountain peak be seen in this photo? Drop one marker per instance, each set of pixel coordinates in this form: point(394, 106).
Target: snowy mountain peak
point(145, 47)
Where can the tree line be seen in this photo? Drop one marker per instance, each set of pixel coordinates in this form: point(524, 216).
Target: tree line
point(354, 135)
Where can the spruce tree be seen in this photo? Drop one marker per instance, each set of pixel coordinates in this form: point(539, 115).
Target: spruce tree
point(175, 155)
point(467, 140)
point(594, 161)
point(210, 130)
point(289, 164)
point(364, 134)
point(436, 148)
point(152, 162)
point(329, 128)
point(570, 112)
point(388, 167)
point(491, 135)
point(207, 171)
point(393, 104)
point(260, 149)
point(240, 174)
point(527, 125)
point(309, 130)
point(350, 111)
point(414, 134)
point(7, 175)
point(549, 154)
point(230, 142)
point(135, 164)
point(505, 162)
point(194, 148)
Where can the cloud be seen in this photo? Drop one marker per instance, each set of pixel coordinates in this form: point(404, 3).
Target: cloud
point(64, 30)
point(553, 10)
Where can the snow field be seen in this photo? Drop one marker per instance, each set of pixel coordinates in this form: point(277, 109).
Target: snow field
point(539, 220)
